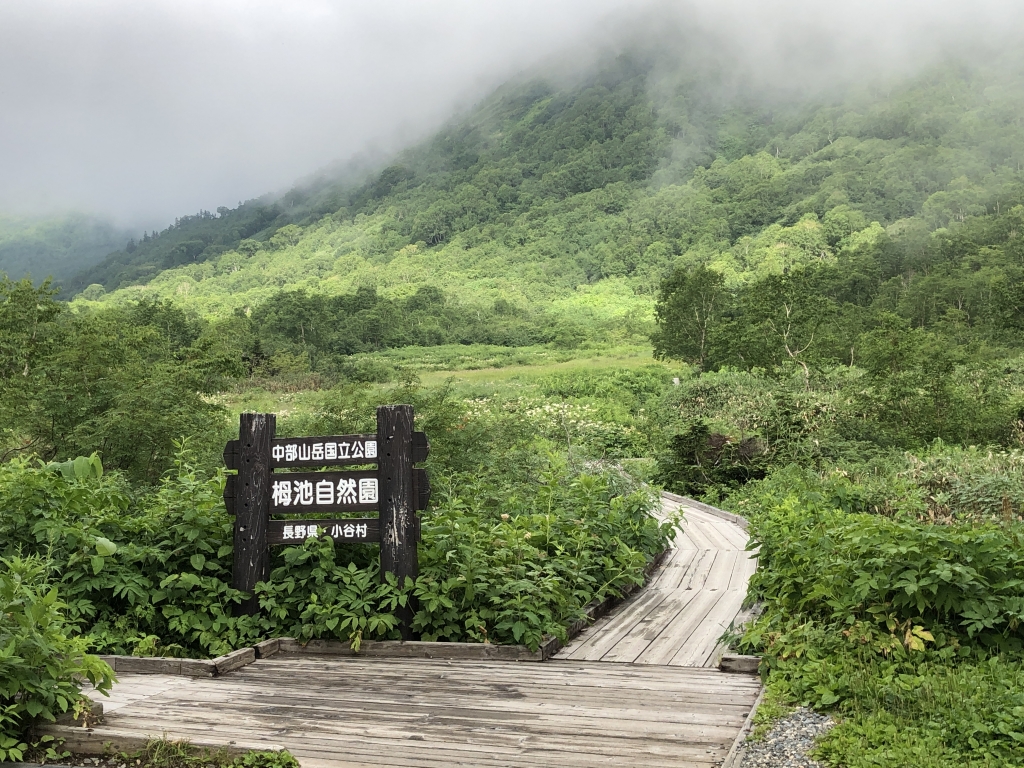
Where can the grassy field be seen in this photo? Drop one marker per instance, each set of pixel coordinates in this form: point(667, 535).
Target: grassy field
point(472, 375)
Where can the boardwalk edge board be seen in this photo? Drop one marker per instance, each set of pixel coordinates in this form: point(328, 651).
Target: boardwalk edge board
point(735, 757)
point(163, 665)
point(735, 519)
point(90, 741)
point(740, 664)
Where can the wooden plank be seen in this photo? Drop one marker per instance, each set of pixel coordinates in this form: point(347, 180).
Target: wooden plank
point(584, 674)
point(694, 529)
point(419, 649)
point(698, 574)
point(629, 648)
point(697, 696)
point(746, 566)
point(577, 645)
point(682, 541)
point(383, 722)
point(731, 536)
point(732, 662)
point(691, 707)
point(684, 563)
point(666, 564)
point(595, 643)
point(702, 642)
point(720, 575)
point(412, 751)
point(743, 569)
point(234, 660)
point(704, 531)
point(267, 648)
point(675, 635)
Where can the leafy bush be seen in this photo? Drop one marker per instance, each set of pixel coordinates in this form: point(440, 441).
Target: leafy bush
point(40, 665)
point(970, 483)
point(933, 714)
point(161, 753)
point(147, 571)
point(912, 631)
point(955, 585)
point(518, 568)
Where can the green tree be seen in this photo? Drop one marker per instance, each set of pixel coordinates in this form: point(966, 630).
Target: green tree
point(785, 319)
point(688, 310)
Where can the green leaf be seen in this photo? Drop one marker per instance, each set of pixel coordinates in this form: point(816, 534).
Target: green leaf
point(83, 467)
point(198, 561)
point(105, 547)
point(97, 563)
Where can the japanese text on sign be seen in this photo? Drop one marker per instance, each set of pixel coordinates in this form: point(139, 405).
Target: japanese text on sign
point(306, 493)
point(335, 531)
point(326, 451)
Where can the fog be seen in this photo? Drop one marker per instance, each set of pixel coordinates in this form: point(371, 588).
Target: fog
point(144, 111)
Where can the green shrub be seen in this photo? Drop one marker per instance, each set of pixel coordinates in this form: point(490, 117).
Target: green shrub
point(516, 569)
point(40, 665)
point(912, 631)
point(962, 584)
point(149, 572)
point(160, 753)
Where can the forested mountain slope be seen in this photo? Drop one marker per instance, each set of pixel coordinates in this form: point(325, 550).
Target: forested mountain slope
point(58, 246)
point(556, 211)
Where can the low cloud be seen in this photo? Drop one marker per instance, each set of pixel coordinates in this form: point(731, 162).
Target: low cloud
point(143, 111)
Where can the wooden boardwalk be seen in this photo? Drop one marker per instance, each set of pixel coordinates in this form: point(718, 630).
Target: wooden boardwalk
point(346, 712)
point(694, 597)
point(660, 706)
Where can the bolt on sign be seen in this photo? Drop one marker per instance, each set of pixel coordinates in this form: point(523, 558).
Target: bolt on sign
point(265, 500)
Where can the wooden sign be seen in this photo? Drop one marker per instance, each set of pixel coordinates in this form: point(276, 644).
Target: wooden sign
point(396, 490)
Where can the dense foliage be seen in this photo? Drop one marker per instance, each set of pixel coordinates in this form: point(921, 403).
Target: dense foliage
point(911, 630)
point(506, 556)
point(41, 661)
point(125, 381)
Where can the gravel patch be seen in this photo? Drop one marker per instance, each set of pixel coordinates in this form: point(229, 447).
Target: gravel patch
point(787, 743)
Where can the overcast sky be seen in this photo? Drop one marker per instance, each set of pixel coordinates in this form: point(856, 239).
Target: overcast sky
point(147, 109)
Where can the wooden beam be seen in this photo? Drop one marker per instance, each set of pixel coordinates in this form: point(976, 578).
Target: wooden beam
point(252, 505)
point(398, 522)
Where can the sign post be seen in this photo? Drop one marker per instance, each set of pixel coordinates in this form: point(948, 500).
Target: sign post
point(395, 490)
point(398, 529)
point(252, 508)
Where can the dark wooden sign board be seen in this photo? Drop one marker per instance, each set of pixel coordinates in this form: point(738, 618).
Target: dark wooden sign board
point(396, 490)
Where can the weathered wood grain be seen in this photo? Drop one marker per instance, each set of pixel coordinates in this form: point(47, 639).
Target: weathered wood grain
point(234, 660)
point(398, 522)
point(393, 712)
point(252, 505)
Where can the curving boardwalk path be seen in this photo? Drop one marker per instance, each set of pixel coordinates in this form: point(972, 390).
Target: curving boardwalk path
point(694, 597)
point(657, 705)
